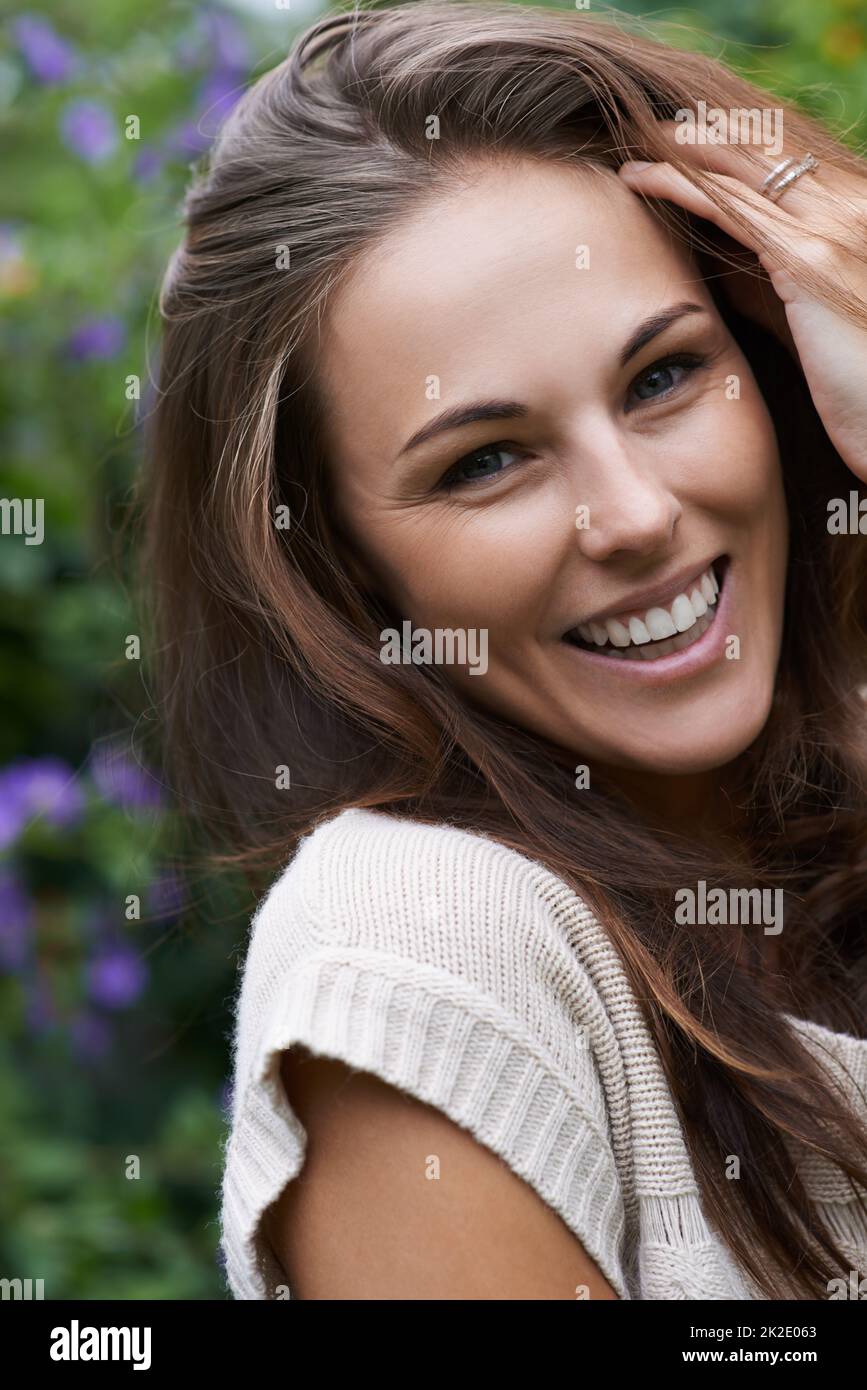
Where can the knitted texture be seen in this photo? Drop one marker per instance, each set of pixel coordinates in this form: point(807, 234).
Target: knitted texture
point(474, 979)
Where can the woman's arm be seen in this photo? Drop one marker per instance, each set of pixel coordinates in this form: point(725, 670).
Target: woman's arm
point(363, 1220)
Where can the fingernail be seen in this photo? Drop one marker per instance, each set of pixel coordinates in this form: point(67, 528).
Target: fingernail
point(632, 166)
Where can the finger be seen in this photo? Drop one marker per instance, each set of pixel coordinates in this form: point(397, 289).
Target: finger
point(827, 197)
point(760, 216)
point(750, 164)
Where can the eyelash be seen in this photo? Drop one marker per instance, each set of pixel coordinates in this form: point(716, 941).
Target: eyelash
point(691, 361)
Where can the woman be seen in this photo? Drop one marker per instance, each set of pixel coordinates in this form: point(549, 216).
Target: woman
point(507, 619)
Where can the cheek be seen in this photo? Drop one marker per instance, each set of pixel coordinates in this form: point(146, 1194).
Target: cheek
point(492, 565)
point(726, 460)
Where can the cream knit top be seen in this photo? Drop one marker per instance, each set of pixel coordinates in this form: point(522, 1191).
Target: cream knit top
point(477, 981)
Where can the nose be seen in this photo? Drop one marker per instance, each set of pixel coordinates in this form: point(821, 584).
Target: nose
point(629, 503)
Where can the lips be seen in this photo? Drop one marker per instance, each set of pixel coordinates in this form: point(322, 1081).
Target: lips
point(659, 629)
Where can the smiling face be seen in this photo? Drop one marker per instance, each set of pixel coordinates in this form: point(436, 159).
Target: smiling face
point(624, 465)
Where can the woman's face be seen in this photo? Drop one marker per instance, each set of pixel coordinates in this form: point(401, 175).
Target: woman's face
point(626, 453)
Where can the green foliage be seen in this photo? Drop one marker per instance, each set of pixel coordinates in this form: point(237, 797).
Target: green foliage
point(114, 1018)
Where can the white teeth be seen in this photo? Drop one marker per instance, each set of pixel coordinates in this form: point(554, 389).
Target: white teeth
point(659, 624)
point(682, 613)
point(618, 635)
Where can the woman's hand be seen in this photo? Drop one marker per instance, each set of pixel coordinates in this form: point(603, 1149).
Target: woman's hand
point(831, 348)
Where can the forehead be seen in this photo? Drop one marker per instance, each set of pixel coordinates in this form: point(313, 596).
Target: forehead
point(522, 271)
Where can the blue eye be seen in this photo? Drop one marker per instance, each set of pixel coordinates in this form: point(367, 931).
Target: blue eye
point(665, 376)
point(473, 468)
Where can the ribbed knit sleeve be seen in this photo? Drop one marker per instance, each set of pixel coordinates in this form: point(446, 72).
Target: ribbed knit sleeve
point(429, 957)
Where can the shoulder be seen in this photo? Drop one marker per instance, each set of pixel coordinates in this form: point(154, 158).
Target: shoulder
point(388, 893)
point(386, 934)
point(411, 867)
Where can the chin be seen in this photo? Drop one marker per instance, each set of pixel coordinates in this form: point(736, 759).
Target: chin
point(706, 738)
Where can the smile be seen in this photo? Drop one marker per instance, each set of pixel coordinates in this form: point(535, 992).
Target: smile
point(651, 634)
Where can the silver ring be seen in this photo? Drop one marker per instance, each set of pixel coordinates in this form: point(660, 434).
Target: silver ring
point(785, 173)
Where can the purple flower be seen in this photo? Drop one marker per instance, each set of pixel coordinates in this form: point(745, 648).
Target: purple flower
point(227, 39)
point(120, 780)
point(16, 922)
point(32, 787)
point(187, 141)
point(49, 57)
point(116, 977)
point(97, 339)
point(215, 37)
point(217, 95)
point(90, 1035)
point(89, 130)
point(166, 896)
point(148, 164)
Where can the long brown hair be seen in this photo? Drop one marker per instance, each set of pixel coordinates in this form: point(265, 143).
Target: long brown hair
point(266, 648)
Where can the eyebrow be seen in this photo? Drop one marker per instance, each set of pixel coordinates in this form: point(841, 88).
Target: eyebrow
point(656, 324)
point(460, 415)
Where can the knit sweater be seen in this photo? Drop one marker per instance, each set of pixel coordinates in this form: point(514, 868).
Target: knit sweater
point(474, 979)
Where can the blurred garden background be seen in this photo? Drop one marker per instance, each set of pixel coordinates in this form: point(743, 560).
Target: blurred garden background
point(117, 966)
